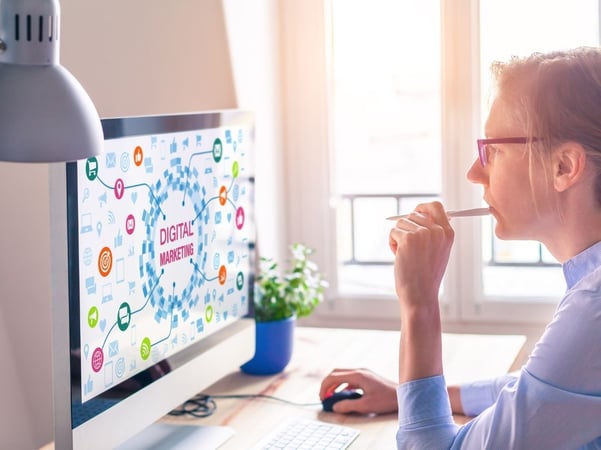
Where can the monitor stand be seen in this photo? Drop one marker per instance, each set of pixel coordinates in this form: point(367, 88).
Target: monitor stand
point(163, 436)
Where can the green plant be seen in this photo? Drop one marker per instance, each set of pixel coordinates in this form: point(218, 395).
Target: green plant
point(296, 292)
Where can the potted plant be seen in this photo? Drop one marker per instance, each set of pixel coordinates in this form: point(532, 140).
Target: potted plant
point(280, 299)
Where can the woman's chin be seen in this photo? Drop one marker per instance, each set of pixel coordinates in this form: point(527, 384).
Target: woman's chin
point(509, 234)
point(503, 233)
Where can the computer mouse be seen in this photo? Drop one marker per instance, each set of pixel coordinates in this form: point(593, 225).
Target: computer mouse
point(346, 394)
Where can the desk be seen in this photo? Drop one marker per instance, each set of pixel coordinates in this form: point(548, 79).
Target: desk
point(319, 350)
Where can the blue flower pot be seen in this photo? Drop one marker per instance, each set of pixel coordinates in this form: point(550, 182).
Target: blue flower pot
point(273, 347)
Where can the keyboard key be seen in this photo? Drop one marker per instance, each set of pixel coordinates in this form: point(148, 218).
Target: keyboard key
point(302, 434)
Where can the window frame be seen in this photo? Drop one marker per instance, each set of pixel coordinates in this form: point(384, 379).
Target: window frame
point(311, 210)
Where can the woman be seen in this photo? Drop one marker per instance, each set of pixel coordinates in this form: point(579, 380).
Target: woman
point(540, 168)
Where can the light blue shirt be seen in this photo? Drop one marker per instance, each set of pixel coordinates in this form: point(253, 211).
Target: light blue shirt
point(554, 402)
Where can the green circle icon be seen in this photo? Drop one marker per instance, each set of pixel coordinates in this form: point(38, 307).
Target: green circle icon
point(240, 281)
point(235, 169)
point(145, 348)
point(123, 316)
point(217, 150)
point(92, 168)
point(209, 313)
point(93, 317)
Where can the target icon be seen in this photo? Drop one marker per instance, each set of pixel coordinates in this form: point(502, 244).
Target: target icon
point(105, 261)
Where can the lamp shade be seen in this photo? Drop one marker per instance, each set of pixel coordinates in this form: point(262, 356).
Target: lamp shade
point(45, 114)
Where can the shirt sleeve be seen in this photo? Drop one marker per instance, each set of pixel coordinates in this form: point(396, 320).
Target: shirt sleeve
point(479, 395)
point(528, 413)
point(425, 418)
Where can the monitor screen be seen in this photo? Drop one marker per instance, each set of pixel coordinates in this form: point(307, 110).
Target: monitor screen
point(160, 271)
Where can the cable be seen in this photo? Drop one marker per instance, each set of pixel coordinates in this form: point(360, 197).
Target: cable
point(203, 405)
point(198, 406)
point(268, 397)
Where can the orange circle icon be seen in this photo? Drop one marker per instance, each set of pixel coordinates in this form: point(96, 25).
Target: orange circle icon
point(105, 261)
point(222, 195)
point(138, 156)
point(222, 275)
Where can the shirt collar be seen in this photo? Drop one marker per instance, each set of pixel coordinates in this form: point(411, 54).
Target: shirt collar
point(582, 264)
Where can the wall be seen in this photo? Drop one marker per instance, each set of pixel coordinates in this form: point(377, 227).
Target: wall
point(148, 56)
point(253, 28)
point(134, 57)
point(25, 378)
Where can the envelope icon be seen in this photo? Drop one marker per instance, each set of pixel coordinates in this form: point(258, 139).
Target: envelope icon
point(113, 348)
point(111, 159)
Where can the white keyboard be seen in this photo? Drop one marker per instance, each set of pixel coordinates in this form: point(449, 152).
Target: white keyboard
point(310, 435)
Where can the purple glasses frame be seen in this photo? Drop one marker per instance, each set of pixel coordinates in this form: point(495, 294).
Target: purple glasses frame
point(482, 143)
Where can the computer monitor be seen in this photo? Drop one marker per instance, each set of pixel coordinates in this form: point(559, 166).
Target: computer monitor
point(153, 270)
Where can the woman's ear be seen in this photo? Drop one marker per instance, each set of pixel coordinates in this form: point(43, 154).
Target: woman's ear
point(569, 161)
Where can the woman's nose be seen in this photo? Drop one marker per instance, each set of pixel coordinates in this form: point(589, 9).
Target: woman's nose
point(477, 173)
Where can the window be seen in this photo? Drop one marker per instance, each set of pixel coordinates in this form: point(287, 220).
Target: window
point(396, 98)
point(386, 117)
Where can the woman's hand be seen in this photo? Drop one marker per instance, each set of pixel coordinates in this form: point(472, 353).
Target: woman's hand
point(421, 244)
point(379, 394)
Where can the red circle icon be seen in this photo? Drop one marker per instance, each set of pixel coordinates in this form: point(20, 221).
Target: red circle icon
point(119, 188)
point(97, 359)
point(130, 224)
point(240, 218)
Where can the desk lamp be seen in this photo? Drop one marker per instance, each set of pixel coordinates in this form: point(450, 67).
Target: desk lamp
point(45, 114)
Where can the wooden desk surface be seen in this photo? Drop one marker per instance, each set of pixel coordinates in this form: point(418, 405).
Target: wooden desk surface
point(317, 351)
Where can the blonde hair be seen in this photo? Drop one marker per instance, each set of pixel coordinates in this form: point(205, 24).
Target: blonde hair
point(557, 96)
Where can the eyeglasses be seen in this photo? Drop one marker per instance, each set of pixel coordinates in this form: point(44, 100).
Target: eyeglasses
point(482, 143)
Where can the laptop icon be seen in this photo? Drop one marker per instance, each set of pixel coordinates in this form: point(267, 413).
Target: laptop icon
point(85, 221)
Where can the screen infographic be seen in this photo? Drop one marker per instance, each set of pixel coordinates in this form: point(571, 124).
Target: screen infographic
point(163, 247)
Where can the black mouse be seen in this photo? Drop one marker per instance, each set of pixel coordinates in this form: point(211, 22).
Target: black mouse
point(346, 394)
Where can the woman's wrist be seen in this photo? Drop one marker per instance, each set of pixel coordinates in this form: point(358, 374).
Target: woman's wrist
point(421, 343)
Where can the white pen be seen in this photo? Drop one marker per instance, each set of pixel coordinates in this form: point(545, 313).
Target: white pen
point(458, 213)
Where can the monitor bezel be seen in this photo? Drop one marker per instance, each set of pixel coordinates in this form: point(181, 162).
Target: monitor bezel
point(235, 339)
